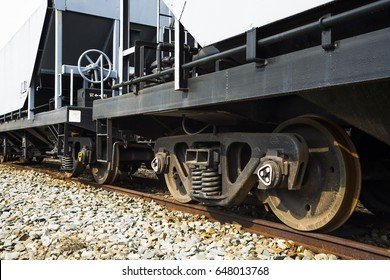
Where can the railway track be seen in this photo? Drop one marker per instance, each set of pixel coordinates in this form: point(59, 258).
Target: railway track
point(327, 243)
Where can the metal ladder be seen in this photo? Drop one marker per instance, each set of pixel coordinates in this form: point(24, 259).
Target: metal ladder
point(103, 140)
point(161, 29)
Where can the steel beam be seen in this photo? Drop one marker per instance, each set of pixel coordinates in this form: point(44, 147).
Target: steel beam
point(58, 60)
point(51, 118)
point(116, 55)
point(305, 70)
point(31, 102)
point(180, 83)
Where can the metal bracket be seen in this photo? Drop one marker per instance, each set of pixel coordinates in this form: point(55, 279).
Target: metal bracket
point(160, 162)
point(202, 157)
point(276, 170)
point(326, 35)
point(251, 49)
point(273, 168)
point(180, 77)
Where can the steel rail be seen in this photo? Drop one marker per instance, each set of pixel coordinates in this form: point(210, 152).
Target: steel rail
point(322, 23)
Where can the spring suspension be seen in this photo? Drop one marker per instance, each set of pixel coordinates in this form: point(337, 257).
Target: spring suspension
point(66, 163)
point(211, 182)
point(206, 181)
point(205, 177)
point(197, 180)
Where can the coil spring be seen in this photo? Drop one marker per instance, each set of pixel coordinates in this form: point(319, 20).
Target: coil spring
point(211, 182)
point(197, 180)
point(67, 163)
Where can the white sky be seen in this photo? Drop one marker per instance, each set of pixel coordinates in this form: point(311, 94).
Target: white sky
point(13, 13)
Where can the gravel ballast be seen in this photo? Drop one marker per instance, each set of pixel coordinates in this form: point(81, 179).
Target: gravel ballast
point(46, 218)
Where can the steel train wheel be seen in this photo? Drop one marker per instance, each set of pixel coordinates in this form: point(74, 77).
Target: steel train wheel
point(103, 173)
point(176, 178)
point(332, 181)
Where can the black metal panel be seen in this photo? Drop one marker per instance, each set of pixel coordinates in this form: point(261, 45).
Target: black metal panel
point(358, 59)
point(50, 118)
point(365, 106)
point(80, 33)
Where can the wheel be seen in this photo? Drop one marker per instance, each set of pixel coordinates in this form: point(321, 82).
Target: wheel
point(332, 181)
point(375, 196)
point(176, 178)
point(100, 74)
point(103, 173)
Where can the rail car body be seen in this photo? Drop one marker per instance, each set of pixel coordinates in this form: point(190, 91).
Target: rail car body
point(224, 100)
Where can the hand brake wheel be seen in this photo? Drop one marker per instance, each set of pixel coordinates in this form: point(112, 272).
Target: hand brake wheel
point(100, 73)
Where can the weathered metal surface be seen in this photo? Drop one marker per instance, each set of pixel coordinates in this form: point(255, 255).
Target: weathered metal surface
point(332, 180)
point(234, 186)
point(309, 69)
point(77, 116)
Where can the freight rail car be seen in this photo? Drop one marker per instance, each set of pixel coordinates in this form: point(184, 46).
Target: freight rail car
point(43, 98)
point(223, 99)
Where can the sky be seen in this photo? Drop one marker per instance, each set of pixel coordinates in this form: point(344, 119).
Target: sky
point(13, 13)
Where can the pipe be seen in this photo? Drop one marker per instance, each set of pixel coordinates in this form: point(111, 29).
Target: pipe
point(71, 87)
point(144, 78)
point(113, 156)
point(163, 47)
point(323, 23)
point(214, 57)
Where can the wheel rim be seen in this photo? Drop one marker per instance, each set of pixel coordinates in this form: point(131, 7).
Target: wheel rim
point(103, 173)
point(177, 181)
point(331, 184)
